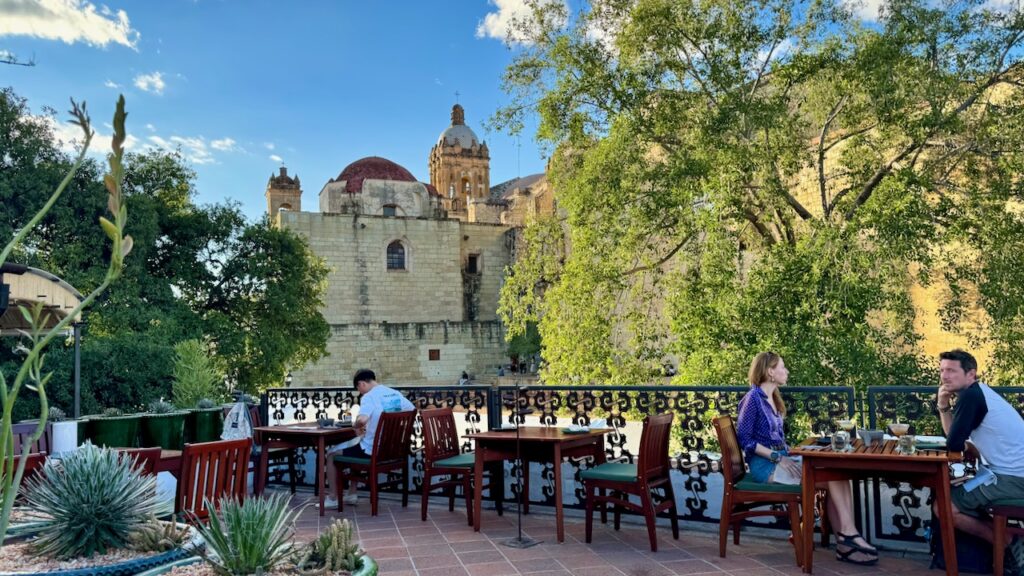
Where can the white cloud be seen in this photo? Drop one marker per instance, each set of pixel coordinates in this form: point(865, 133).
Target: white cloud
point(151, 82)
point(5, 55)
point(71, 137)
point(67, 20)
point(505, 24)
point(276, 158)
point(151, 128)
point(1004, 6)
point(224, 144)
point(111, 84)
point(867, 10)
point(269, 145)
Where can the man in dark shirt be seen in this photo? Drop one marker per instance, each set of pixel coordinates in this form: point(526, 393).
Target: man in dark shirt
point(995, 430)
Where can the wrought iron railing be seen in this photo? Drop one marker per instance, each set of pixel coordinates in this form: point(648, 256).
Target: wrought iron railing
point(894, 511)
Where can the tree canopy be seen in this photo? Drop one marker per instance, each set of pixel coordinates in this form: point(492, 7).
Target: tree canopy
point(737, 176)
point(197, 271)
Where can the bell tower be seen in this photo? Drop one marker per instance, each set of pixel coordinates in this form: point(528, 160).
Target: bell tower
point(460, 165)
point(283, 193)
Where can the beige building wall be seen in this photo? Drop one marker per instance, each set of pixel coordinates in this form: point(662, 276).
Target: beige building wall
point(429, 353)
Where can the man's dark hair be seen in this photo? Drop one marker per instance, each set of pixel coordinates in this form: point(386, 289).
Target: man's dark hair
point(967, 362)
point(363, 375)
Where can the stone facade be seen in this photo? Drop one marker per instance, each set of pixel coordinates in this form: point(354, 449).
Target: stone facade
point(284, 192)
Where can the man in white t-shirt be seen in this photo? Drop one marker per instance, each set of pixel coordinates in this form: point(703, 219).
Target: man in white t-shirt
point(375, 399)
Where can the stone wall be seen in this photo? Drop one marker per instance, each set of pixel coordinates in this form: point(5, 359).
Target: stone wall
point(400, 354)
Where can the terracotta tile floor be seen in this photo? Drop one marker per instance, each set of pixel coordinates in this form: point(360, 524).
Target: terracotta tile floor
point(445, 545)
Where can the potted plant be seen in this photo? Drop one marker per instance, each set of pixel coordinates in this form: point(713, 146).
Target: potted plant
point(64, 432)
point(94, 513)
point(333, 551)
point(197, 387)
point(205, 422)
point(114, 429)
point(163, 426)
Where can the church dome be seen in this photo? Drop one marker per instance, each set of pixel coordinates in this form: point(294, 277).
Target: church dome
point(458, 132)
point(372, 168)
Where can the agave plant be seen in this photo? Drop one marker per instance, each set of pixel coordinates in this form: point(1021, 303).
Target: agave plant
point(57, 415)
point(92, 501)
point(159, 536)
point(206, 404)
point(332, 552)
point(161, 407)
point(250, 537)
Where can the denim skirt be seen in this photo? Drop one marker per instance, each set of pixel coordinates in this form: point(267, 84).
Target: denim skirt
point(761, 468)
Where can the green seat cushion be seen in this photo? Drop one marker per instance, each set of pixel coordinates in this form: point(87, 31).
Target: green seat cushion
point(611, 471)
point(352, 460)
point(461, 461)
point(1009, 502)
point(752, 486)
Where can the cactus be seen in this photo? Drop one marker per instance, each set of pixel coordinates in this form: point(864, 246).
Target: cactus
point(332, 552)
point(157, 536)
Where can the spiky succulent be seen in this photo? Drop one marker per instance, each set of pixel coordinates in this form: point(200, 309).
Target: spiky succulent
point(206, 404)
point(159, 536)
point(112, 413)
point(93, 501)
point(160, 407)
point(251, 537)
point(56, 415)
point(333, 551)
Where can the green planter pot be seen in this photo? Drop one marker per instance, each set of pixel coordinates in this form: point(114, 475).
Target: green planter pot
point(164, 430)
point(116, 432)
point(204, 425)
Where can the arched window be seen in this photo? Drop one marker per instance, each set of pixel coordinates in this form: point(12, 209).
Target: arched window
point(396, 256)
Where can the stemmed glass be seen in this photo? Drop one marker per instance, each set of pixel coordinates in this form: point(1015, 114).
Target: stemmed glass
point(841, 439)
point(904, 441)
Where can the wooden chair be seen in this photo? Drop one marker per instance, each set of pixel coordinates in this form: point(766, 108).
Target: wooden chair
point(22, 431)
point(742, 496)
point(390, 453)
point(277, 455)
point(145, 458)
point(33, 466)
point(443, 457)
point(649, 473)
point(1002, 511)
point(211, 471)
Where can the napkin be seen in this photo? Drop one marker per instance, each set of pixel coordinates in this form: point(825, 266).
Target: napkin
point(598, 423)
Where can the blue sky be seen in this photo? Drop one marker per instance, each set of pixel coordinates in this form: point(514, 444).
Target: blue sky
point(242, 86)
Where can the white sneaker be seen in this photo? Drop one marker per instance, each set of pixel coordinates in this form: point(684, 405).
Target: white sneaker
point(330, 502)
point(352, 499)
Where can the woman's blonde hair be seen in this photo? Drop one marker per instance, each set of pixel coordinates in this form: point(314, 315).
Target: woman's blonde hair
point(758, 374)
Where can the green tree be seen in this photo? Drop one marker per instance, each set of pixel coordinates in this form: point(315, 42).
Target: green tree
point(739, 176)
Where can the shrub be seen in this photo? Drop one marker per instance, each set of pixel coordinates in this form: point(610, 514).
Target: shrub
point(112, 413)
point(159, 536)
point(206, 404)
point(57, 415)
point(195, 374)
point(92, 501)
point(160, 407)
point(333, 551)
point(251, 537)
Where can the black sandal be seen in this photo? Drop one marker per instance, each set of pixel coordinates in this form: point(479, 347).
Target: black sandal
point(849, 540)
point(846, 557)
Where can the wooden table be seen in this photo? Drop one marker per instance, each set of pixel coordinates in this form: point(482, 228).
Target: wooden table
point(538, 444)
point(299, 435)
point(929, 468)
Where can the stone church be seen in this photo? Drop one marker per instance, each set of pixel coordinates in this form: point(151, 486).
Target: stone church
point(415, 267)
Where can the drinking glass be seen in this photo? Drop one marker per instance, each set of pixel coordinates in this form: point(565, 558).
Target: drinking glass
point(840, 441)
point(906, 444)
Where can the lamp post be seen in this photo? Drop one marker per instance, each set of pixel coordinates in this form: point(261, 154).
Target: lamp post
point(288, 379)
point(77, 328)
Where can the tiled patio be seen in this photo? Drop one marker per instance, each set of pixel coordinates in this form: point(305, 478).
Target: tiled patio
point(445, 546)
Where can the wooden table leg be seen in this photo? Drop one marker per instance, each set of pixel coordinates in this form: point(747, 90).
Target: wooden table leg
point(261, 474)
point(945, 506)
point(599, 458)
point(478, 481)
point(321, 469)
point(806, 531)
point(558, 492)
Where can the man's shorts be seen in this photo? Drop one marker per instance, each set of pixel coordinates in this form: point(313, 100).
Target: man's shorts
point(354, 451)
point(975, 502)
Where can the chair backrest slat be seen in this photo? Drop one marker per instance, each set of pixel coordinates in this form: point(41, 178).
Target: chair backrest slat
point(732, 464)
point(654, 440)
point(394, 435)
point(146, 459)
point(24, 430)
point(210, 472)
point(440, 438)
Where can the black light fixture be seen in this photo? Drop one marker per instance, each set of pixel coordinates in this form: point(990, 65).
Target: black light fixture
point(520, 413)
point(288, 379)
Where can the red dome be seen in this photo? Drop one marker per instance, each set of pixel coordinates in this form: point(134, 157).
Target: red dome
point(373, 168)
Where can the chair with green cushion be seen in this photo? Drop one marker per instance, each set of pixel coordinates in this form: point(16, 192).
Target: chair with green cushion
point(651, 472)
point(442, 456)
point(390, 454)
point(1002, 511)
point(744, 498)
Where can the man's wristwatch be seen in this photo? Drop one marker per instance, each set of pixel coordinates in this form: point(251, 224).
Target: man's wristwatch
point(775, 457)
point(944, 409)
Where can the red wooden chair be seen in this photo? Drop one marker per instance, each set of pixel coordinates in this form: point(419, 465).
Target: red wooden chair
point(390, 453)
point(443, 457)
point(210, 471)
point(33, 466)
point(650, 472)
point(1002, 511)
point(276, 456)
point(22, 431)
point(744, 498)
point(145, 458)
